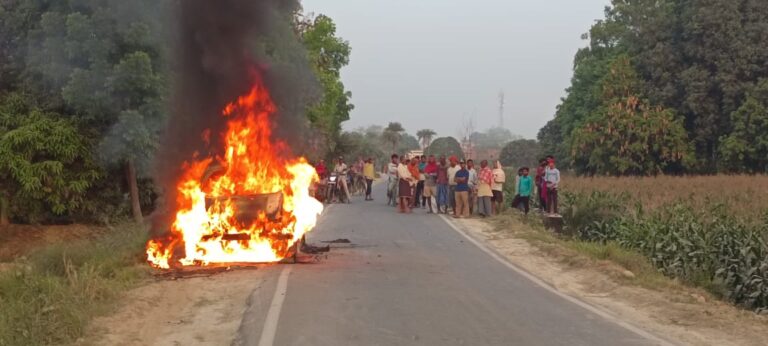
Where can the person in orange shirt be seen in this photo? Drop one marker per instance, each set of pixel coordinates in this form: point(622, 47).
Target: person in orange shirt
point(413, 167)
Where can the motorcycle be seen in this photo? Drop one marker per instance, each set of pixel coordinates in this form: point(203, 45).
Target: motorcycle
point(332, 187)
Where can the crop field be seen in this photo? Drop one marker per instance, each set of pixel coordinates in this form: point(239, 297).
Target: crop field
point(743, 195)
point(708, 231)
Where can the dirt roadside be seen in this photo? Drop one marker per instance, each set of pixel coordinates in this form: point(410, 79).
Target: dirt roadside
point(684, 315)
point(191, 311)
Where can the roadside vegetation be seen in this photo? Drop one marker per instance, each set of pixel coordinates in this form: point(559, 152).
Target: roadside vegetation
point(708, 232)
point(49, 296)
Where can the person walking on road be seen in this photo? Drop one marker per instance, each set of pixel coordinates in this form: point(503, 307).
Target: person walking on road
point(452, 183)
point(442, 186)
point(552, 179)
point(524, 190)
point(461, 191)
point(499, 177)
point(484, 192)
point(392, 180)
point(430, 182)
point(369, 172)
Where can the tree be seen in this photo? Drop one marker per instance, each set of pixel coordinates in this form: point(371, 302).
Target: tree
point(521, 153)
point(425, 137)
point(46, 164)
point(445, 146)
point(97, 61)
point(392, 134)
point(494, 137)
point(745, 149)
point(627, 135)
point(407, 143)
point(328, 53)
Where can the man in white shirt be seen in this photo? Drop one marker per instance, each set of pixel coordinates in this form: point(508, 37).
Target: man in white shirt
point(341, 170)
point(452, 182)
point(552, 179)
point(472, 185)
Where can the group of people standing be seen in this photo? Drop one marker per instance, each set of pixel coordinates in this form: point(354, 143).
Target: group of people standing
point(452, 185)
point(457, 185)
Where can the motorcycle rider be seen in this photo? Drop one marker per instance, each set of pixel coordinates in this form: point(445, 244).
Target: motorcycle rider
point(321, 170)
point(341, 171)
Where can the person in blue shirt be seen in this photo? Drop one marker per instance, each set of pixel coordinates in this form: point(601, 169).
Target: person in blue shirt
point(524, 189)
point(462, 191)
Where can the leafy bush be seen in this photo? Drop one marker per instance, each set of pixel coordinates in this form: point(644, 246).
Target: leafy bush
point(707, 247)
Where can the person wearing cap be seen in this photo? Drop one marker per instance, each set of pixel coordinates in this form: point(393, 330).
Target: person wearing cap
point(341, 170)
point(452, 183)
point(552, 180)
point(461, 191)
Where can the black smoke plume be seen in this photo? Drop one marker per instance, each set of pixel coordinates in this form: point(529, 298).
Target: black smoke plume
point(217, 44)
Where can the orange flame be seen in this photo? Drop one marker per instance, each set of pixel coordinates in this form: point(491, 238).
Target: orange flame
point(209, 220)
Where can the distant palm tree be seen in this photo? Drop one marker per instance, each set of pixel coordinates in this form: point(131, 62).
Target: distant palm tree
point(392, 134)
point(425, 137)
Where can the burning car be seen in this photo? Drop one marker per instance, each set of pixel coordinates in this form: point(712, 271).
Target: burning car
point(250, 203)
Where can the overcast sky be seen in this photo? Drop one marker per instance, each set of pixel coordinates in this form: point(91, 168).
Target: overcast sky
point(433, 63)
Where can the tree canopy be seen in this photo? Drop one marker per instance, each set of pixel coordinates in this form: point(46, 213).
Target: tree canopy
point(695, 61)
point(445, 146)
point(521, 153)
point(84, 98)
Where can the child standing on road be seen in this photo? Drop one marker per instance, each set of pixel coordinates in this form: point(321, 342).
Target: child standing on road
point(552, 179)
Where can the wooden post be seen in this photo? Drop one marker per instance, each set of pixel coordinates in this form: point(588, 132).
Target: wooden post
point(4, 211)
point(554, 223)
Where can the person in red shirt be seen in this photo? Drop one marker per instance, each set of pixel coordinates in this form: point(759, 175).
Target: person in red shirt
point(321, 169)
point(430, 182)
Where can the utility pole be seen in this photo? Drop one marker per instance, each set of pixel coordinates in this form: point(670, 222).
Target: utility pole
point(501, 109)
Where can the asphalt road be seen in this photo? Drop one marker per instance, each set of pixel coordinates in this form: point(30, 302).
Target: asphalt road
point(414, 280)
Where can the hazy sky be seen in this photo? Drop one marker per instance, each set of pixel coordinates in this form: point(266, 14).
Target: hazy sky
point(432, 63)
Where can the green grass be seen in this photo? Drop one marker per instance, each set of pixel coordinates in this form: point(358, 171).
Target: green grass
point(577, 253)
point(49, 297)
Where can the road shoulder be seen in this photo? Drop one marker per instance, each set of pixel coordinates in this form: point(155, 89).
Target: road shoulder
point(678, 313)
point(191, 311)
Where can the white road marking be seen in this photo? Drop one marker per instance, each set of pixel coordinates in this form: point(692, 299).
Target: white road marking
point(269, 330)
point(273, 315)
point(602, 313)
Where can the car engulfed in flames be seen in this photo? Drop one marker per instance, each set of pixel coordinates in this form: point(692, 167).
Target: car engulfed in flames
point(249, 204)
